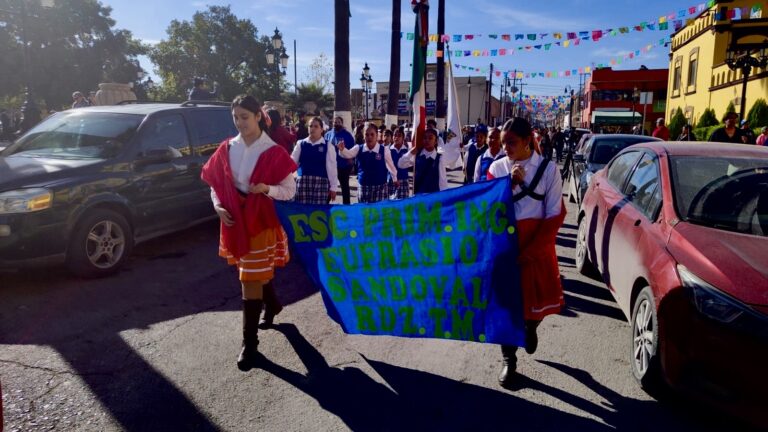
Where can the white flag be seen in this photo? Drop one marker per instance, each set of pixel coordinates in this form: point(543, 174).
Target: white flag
point(452, 147)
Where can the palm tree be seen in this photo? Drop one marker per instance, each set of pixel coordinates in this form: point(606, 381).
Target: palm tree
point(393, 98)
point(309, 98)
point(341, 61)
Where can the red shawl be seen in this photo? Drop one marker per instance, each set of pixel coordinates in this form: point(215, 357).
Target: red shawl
point(253, 213)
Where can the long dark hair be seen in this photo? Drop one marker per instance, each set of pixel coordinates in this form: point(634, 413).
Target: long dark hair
point(250, 103)
point(277, 119)
point(520, 127)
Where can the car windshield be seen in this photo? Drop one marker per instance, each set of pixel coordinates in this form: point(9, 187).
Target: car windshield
point(77, 135)
point(722, 192)
point(606, 149)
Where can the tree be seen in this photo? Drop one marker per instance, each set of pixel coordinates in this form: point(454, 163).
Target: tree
point(217, 46)
point(758, 114)
point(72, 46)
point(729, 109)
point(676, 124)
point(320, 73)
point(708, 118)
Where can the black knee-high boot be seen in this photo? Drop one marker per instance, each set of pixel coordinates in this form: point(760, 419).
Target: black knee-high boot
point(272, 306)
point(509, 365)
point(531, 338)
point(249, 355)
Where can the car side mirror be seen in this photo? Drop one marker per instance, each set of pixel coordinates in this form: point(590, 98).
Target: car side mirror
point(578, 158)
point(154, 156)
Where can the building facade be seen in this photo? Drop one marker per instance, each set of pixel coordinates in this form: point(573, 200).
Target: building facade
point(699, 75)
point(618, 100)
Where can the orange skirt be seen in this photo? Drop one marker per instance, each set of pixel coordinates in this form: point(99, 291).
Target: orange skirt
point(268, 249)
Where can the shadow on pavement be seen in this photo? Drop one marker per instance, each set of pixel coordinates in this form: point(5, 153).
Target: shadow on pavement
point(417, 400)
point(130, 389)
point(581, 305)
point(627, 414)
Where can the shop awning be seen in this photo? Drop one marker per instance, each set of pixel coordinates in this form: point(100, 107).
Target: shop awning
point(615, 118)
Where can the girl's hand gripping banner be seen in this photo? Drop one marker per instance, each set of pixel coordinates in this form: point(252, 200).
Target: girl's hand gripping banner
point(441, 265)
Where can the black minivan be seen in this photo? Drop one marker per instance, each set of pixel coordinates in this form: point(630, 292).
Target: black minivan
point(87, 184)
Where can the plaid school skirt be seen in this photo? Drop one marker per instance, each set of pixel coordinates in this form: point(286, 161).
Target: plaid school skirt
point(312, 190)
point(268, 249)
point(398, 192)
point(373, 193)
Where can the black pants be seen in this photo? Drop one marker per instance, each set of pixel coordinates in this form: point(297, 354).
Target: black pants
point(344, 173)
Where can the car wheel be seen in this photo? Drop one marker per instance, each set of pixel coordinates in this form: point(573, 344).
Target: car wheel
point(645, 361)
point(100, 244)
point(583, 264)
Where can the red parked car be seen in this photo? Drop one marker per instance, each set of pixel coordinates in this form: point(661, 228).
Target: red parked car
point(679, 233)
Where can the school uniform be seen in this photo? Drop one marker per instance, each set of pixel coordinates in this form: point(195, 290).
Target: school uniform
point(401, 191)
point(317, 174)
point(256, 243)
point(539, 213)
point(372, 168)
point(484, 163)
point(473, 154)
point(430, 175)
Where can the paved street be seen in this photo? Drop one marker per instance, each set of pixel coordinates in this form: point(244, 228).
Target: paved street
point(154, 348)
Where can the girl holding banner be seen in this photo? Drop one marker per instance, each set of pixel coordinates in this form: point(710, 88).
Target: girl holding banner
point(398, 150)
point(318, 178)
point(246, 173)
point(491, 155)
point(539, 210)
point(430, 175)
point(373, 162)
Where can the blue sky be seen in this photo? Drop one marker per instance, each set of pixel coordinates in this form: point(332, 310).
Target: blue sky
point(310, 23)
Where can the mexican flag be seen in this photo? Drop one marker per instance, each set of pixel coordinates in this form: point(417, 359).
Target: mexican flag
point(418, 81)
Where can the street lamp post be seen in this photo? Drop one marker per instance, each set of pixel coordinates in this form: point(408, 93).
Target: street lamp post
point(744, 61)
point(635, 97)
point(570, 120)
point(366, 82)
point(277, 56)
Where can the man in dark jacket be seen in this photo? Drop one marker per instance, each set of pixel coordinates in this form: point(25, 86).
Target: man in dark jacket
point(198, 92)
point(343, 166)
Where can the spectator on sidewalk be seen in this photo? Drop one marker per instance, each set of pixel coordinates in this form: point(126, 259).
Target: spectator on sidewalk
point(762, 140)
point(199, 92)
point(661, 131)
point(78, 100)
point(747, 135)
point(687, 134)
point(728, 133)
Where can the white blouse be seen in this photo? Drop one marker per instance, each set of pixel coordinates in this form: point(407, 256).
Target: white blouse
point(242, 161)
point(550, 185)
point(409, 159)
point(330, 159)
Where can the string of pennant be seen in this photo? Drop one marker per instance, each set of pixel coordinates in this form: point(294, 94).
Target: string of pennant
point(677, 20)
point(568, 72)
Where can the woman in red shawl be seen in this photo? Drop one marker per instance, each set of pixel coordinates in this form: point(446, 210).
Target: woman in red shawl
point(246, 173)
point(537, 195)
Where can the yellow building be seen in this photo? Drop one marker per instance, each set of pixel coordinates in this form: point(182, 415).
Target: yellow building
point(699, 76)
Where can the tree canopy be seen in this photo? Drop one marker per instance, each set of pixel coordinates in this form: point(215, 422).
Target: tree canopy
point(218, 46)
point(72, 46)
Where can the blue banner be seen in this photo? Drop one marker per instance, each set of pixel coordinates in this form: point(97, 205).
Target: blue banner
point(441, 265)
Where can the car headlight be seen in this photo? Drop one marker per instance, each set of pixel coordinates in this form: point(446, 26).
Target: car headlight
point(719, 306)
point(25, 200)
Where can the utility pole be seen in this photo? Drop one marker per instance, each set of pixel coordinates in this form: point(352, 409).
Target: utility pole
point(295, 80)
point(393, 96)
point(488, 92)
point(341, 62)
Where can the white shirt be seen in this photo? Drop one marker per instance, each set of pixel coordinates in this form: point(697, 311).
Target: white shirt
point(409, 159)
point(352, 153)
point(550, 185)
point(242, 161)
point(330, 159)
point(487, 154)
